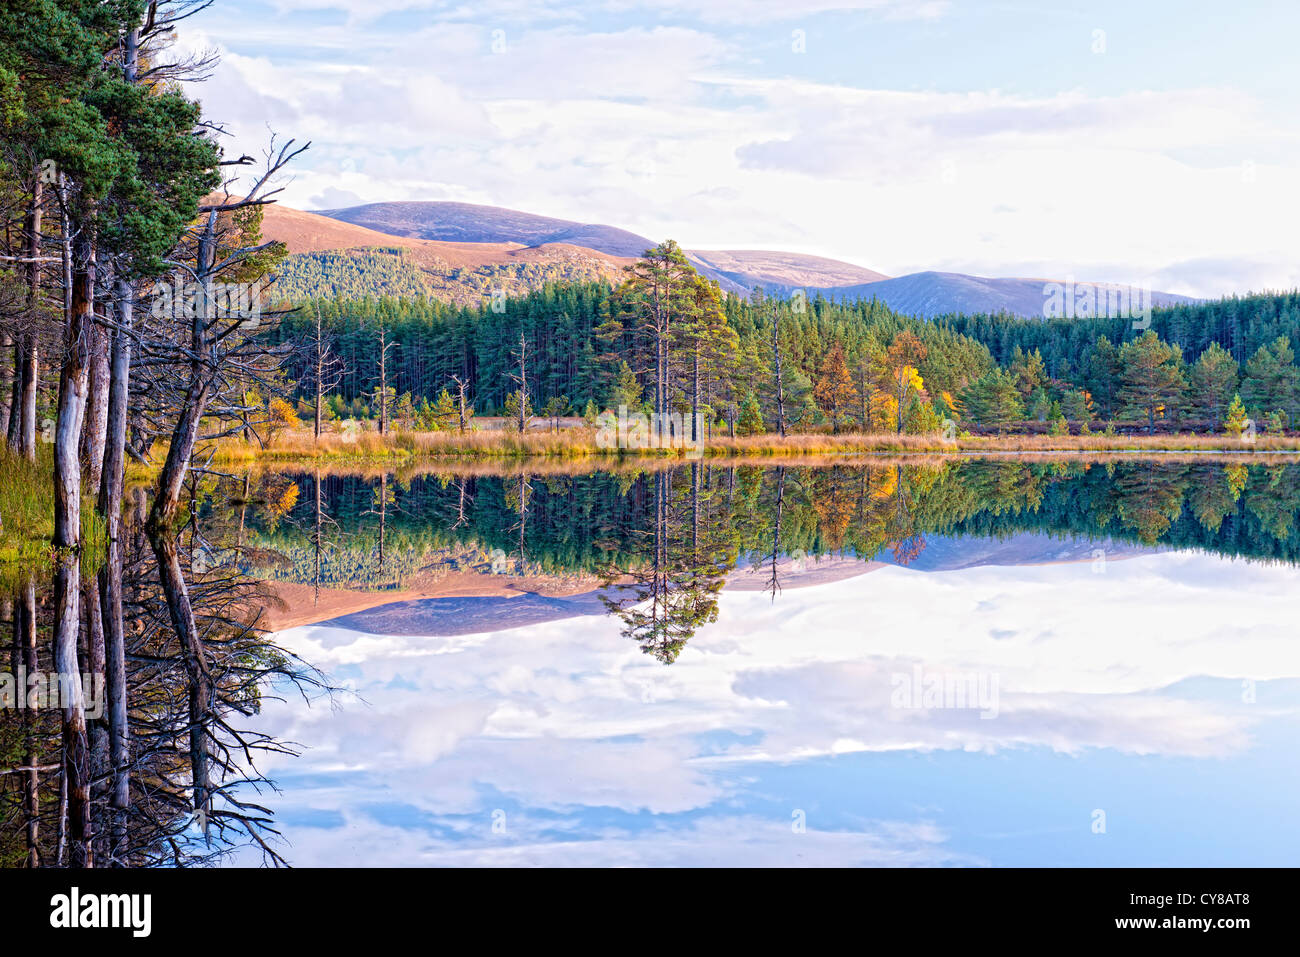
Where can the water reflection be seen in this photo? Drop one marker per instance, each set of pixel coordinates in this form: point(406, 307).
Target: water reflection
point(126, 735)
point(658, 546)
point(1136, 621)
point(505, 634)
point(560, 743)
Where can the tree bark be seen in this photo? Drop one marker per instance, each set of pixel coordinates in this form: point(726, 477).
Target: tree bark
point(14, 429)
point(30, 381)
point(95, 426)
point(6, 384)
point(72, 397)
point(76, 759)
point(183, 621)
point(29, 374)
point(25, 649)
point(780, 380)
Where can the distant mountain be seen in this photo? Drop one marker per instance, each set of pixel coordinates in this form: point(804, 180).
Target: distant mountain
point(781, 273)
point(330, 257)
point(931, 294)
point(738, 271)
point(461, 251)
point(470, 223)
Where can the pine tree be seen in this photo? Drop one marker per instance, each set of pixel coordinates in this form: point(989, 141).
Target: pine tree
point(443, 413)
point(1101, 375)
point(1272, 380)
point(660, 293)
point(1213, 382)
point(923, 418)
point(751, 417)
point(518, 410)
point(993, 399)
point(1152, 379)
point(1076, 405)
point(626, 390)
point(1236, 421)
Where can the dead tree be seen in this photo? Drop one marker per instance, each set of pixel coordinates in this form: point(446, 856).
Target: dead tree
point(384, 346)
point(520, 378)
point(326, 368)
point(463, 407)
point(776, 371)
point(220, 350)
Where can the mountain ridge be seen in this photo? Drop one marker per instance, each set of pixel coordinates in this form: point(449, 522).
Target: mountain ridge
point(464, 251)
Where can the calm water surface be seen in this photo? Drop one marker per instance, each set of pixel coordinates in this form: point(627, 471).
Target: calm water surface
point(985, 663)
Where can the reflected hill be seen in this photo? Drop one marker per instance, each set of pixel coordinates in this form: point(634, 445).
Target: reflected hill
point(672, 538)
point(470, 615)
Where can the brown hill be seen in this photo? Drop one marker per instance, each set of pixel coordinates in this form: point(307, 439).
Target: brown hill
point(329, 257)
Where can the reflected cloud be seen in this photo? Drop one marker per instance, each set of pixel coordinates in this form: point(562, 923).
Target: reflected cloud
point(647, 764)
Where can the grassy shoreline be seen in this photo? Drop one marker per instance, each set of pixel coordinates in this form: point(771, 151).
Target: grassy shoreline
point(580, 443)
point(27, 518)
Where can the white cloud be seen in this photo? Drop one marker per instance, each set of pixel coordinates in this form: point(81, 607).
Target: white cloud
point(674, 131)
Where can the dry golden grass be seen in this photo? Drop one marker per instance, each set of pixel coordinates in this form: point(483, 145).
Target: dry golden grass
point(999, 444)
point(579, 443)
point(302, 445)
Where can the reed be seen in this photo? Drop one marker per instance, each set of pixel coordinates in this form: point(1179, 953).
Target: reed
point(580, 443)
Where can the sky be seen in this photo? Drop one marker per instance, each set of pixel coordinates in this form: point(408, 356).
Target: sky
point(777, 737)
point(1154, 143)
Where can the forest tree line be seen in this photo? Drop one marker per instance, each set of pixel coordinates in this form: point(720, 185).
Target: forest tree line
point(668, 340)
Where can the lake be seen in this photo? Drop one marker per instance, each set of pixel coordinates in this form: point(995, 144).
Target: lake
point(958, 662)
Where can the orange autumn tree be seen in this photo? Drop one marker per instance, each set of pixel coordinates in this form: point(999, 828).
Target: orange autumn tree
point(835, 392)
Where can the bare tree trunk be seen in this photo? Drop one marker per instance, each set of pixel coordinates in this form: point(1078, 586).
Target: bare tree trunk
point(780, 380)
point(320, 371)
point(95, 427)
point(316, 541)
point(318, 400)
point(6, 385)
point(25, 649)
point(96, 728)
point(110, 506)
point(76, 758)
point(183, 621)
point(30, 380)
point(171, 480)
point(29, 375)
point(116, 411)
point(383, 518)
point(72, 398)
point(14, 430)
point(460, 400)
point(522, 379)
point(115, 679)
point(774, 585)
